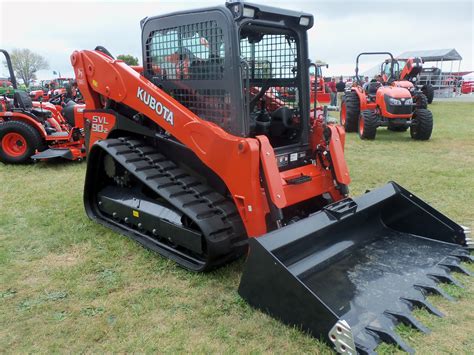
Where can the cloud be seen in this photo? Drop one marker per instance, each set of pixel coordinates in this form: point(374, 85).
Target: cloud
point(342, 28)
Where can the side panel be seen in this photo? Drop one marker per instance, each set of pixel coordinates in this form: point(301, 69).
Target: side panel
point(98, 125)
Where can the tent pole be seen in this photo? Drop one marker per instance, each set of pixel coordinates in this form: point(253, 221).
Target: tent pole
point(441, 76)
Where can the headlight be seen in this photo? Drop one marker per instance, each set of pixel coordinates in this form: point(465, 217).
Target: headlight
point(304, 21)
point(395, 102)
point(409, 102)
point(248, 12)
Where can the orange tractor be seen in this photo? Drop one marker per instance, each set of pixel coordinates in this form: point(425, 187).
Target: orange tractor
point(386, 102)
point(205, 164)
point(38, 130)
point(51, 88)
point(320, 93)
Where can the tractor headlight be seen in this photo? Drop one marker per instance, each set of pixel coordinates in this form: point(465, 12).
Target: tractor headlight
point(409, 102)
point(395, 102)
point(248, 12)
point(304, 21)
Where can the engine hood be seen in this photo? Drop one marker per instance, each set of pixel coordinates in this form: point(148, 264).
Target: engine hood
point(404, 84)
point(395, 92)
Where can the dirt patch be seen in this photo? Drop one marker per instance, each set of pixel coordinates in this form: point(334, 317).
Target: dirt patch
point(71, 258)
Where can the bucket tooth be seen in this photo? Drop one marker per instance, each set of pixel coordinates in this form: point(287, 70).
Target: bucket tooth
point(408, 320)
point(424, 304)
point(390, 337)
point(456, 268)
point(463, 255)
point(434, 290)
point(445, 279)
point(469, 243)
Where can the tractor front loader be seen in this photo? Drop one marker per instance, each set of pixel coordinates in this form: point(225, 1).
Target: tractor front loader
point(194, 156)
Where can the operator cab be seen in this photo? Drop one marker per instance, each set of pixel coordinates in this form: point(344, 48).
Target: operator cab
point(243, 67)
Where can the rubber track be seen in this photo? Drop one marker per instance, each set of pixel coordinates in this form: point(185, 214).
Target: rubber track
point(215, 215)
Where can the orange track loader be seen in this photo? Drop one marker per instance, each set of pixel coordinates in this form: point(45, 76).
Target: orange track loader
point(193, 156)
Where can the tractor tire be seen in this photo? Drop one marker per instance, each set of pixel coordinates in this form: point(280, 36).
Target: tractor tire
point(18, 142)
point(421, 101)
point(422, 126)
point(428, 90)
point(368, 123)
point(350, 111)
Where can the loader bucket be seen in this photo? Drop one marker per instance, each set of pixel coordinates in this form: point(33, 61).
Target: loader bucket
point(351, 272)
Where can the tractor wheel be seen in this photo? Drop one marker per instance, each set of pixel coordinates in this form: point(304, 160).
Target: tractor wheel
point(18, 142)
point(422, 125)
point(350, 111)
point(428, 90)
point(421, 101)
point(368, 123)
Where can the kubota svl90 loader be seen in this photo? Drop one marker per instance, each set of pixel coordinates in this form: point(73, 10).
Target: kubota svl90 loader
point(193, 156)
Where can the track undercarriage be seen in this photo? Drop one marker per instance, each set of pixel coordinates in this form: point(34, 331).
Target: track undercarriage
point(136, 190)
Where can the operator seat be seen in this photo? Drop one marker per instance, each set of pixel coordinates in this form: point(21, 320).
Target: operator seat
point(22, 101)
point(372, 89)
point(68, 113)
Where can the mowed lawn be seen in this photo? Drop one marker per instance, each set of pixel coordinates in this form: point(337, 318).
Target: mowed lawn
point(70, 285)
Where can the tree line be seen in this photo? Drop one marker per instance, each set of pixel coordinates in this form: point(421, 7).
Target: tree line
point(27, 63)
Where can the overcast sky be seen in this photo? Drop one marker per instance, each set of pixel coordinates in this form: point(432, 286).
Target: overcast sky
point(342, 29)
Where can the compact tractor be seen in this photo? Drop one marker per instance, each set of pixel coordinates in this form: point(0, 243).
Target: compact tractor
point(385, 103)
point(51, 88)
point(38, 130)
point(200, 163)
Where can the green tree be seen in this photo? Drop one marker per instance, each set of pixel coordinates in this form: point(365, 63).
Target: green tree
point(128, 59)
point(26, 63)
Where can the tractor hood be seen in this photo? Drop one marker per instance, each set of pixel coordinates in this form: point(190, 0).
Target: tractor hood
point(395, 92)
point(404, 84)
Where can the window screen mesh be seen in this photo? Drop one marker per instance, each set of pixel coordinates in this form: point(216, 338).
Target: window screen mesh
point(187, 52)
point(271, 60)
point(183, 59)
point(272, 56)
point(210, 104)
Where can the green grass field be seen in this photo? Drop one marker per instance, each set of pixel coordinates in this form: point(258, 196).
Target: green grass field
point(69, 285)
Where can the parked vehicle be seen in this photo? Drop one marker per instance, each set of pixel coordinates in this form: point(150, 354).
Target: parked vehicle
point(38, 130)
point(385, 103)
point(206, 164)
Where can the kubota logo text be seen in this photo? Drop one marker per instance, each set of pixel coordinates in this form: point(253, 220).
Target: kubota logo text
point(156, 106)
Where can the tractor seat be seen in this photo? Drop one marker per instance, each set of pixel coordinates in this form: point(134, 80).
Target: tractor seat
point(211, 68)
point(372, 89)
point(22, 100)
point(41, 113)
point(68, 113)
